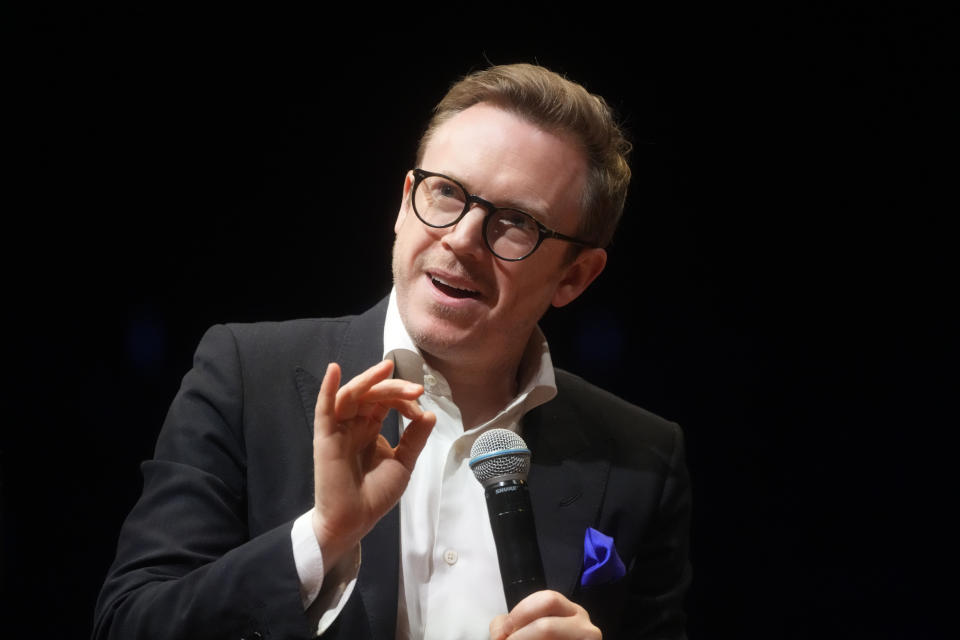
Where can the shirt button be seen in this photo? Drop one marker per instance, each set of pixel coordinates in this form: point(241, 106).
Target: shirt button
point(429, 380)
point(450, 557)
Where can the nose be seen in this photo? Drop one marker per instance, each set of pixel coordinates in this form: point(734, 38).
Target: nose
point(466, 237)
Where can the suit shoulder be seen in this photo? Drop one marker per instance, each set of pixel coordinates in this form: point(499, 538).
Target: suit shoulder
point(277, 342)
point(619, 419)
point(287, 331)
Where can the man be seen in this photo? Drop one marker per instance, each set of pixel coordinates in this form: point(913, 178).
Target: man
point(520, 179)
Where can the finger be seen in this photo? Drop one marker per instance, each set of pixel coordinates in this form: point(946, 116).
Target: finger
point(413, 439)
point(377, 412)
point(392, 394)
point(364, 381)
point(392, 388)
point(349, 395)
point(368, 432)
point(324, 420)
point(540, 604)
point(407, 408)
point(558, 628)
point(498, 627)
point(377, 450)
point(361, 431)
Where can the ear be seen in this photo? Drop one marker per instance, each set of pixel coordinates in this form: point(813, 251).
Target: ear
point(404, 202)
point(578, 276)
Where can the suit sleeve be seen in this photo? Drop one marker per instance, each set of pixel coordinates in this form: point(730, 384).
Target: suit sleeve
point(186, 565)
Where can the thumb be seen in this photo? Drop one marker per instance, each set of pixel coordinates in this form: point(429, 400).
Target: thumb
point(500, 627)
point(414, 438)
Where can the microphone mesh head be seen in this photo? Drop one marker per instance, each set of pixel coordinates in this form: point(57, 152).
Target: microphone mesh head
point(510, 462)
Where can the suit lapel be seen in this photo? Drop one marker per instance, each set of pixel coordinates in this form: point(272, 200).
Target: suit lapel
point(358, 347)
point(568, 478)
point(361, 346)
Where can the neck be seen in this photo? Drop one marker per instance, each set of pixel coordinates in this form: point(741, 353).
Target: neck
point(480, 392)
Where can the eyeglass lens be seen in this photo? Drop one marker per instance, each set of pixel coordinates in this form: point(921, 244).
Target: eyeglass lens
point(509, 233)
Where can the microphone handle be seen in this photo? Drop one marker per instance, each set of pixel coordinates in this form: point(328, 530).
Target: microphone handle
point(514, 532)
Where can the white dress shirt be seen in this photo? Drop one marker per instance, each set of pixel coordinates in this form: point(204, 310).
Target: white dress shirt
point(449, 577)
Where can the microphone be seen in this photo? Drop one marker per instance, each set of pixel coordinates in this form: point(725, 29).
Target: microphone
point(500, 460)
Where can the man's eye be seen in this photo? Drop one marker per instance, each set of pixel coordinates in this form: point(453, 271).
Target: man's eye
point(448, 191)
point(516, 220)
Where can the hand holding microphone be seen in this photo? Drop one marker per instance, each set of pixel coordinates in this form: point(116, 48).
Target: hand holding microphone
point(500, 461)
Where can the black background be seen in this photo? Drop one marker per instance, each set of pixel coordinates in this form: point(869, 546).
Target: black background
point(780, 284)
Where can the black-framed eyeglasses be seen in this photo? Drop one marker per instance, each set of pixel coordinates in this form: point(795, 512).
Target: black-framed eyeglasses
point(510, 234)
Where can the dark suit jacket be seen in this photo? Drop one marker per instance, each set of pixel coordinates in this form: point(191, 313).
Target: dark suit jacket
point(206, 551)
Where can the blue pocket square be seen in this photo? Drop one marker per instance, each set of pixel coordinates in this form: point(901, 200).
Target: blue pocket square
point(601, 564)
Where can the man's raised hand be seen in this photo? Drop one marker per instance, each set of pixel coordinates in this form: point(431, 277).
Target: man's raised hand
point(358, 476)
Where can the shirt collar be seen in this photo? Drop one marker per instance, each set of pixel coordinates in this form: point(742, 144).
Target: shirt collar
point(537, 382)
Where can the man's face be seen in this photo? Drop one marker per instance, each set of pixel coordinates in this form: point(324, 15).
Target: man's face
point(458, 300)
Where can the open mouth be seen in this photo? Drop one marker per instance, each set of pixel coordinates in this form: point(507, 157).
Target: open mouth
point(452, 291)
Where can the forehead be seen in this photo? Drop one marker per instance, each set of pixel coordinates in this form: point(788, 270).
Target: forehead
point(510, 161)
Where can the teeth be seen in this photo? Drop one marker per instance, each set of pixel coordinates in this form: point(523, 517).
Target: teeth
point(445, 283)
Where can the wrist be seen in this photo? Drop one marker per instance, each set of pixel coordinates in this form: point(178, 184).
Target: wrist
point(332, 546)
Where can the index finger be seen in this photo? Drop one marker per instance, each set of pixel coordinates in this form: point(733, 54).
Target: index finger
point(323, 412)
point(364, 381)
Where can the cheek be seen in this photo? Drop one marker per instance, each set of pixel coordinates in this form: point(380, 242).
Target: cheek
point(409, 247)
point(533, 288)
point(402, 217)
